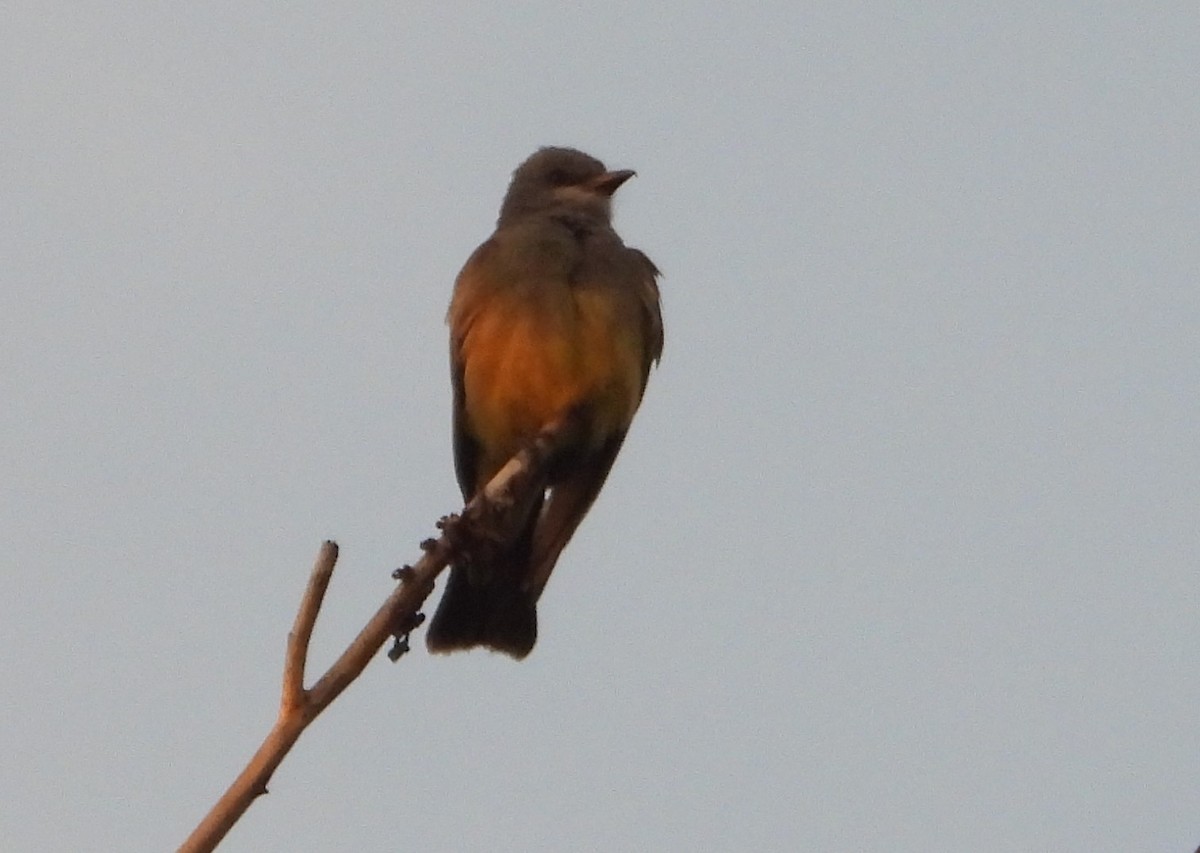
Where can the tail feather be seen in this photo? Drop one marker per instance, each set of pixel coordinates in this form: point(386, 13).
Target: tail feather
point(490, 606)
point(498, 615)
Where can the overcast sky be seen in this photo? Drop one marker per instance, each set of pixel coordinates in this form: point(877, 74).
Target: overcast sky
point(902, 550)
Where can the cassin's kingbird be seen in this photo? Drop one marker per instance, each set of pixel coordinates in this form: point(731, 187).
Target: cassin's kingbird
point(552, 316)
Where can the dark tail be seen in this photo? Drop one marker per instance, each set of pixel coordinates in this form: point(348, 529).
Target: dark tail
point(489, 606)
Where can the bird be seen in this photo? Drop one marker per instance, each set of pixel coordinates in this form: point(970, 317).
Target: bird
point(552, 316)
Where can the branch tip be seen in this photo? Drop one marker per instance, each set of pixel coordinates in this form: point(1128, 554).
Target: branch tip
point(306, 618)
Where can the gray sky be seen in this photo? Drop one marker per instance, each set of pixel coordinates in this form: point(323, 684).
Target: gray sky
point(901, 552)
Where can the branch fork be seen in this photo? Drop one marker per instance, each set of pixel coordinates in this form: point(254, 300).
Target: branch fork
point(491, 516)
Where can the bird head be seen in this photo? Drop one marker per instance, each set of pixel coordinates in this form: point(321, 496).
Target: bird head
point(562, 178)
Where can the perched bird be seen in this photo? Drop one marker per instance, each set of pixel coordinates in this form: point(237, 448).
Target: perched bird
point(552, 315)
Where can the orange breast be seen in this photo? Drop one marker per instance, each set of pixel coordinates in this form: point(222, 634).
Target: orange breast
point(529, 358)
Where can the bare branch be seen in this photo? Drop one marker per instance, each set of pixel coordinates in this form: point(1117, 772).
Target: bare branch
point(306, 619)
point(493, 515)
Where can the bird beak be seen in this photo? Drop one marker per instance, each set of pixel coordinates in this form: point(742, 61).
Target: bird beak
point(607, 183)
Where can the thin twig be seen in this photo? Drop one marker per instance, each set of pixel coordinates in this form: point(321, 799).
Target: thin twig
point(306, 619)
point(491, 514)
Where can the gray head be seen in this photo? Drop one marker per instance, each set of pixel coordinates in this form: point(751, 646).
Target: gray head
point(562, 178)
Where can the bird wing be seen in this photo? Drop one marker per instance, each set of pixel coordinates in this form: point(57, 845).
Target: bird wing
point(572, 496)
point(460, 317)
point(651, 304)
point(564, 509)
